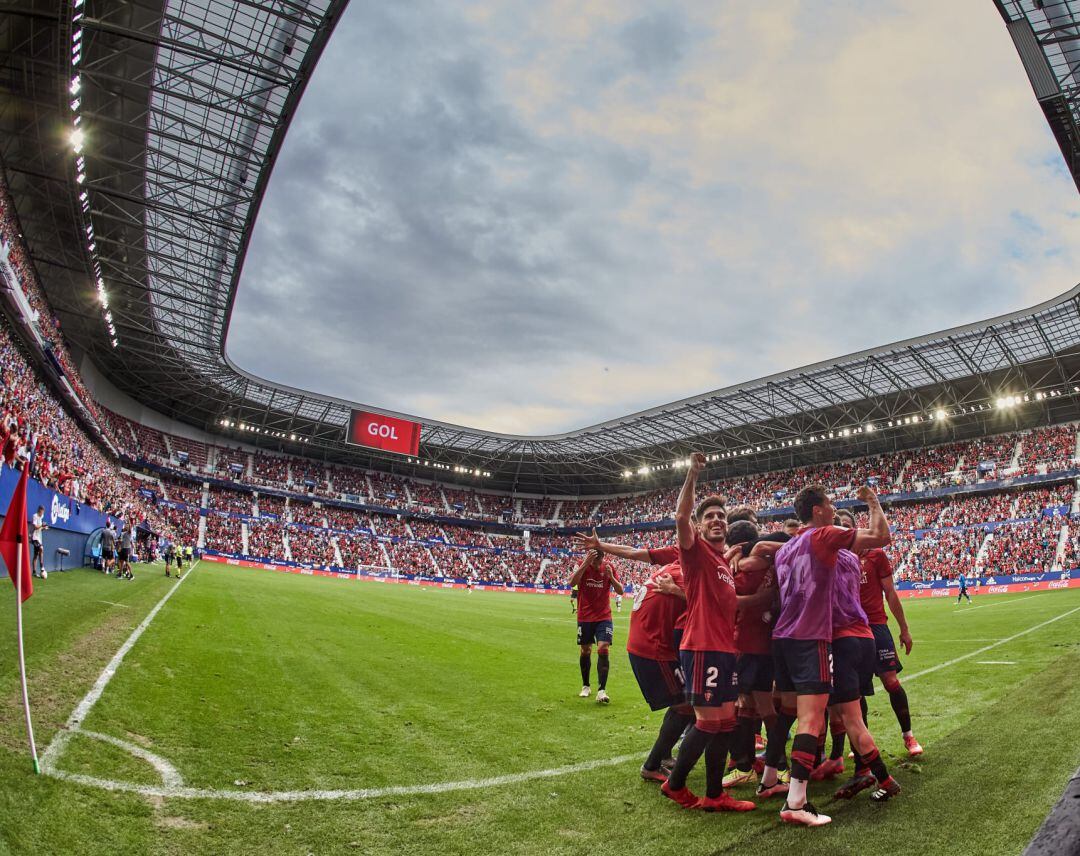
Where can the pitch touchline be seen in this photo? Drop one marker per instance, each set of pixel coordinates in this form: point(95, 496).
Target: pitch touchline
point(56, 747)
point(964, 611)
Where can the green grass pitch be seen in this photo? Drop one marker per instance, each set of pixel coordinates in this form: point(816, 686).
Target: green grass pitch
point(262, 682)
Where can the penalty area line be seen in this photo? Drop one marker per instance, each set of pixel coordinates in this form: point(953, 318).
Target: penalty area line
point(50, 756)
point(339, 795)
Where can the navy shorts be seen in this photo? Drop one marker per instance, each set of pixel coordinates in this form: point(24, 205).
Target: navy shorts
point(595, 631)
point(661, 681)
point(755, 673)
point(711, 679)
point(676, 638)
point(887, 661)
point(854, 661)
point(803, 666)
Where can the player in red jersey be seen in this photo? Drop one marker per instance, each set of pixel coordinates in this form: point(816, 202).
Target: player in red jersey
point(658, 605)
point(708, 652)
point(751, 559)
point(877, 587)
point(595, 580)
point(655, 618)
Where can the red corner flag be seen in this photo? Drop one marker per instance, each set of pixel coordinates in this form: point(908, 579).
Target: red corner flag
point(14, 538)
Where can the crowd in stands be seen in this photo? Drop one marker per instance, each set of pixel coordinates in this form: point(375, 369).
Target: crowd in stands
point(361, 551)
point(311, 546)
point(271, 506)
point(266, 539)
point(188, 493)
point(270, 470)
point(226, 460)
point(944, 554)
point(348, 481)
point(392, 527)
point(223, 534)
point(1018, 547)
point(306, 513)
point(346, 519)
point(1055, 447)
point(970, 510)
point(237, 502)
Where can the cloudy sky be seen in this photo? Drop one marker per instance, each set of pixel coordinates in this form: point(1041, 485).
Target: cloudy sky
point(531, 217)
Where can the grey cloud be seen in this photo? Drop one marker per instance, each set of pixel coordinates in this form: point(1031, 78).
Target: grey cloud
point(433, 238)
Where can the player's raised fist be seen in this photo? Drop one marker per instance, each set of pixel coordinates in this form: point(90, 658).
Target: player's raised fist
point(697, 462)
point(866, 494)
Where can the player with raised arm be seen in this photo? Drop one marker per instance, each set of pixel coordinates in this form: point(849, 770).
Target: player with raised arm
point(708, 652)
point(876, 590)
point(806, 570)
point(595, 579)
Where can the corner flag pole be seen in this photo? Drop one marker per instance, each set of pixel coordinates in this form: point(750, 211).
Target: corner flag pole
point(22, 657)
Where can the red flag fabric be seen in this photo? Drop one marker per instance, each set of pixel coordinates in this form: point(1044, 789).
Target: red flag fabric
point(14, 527)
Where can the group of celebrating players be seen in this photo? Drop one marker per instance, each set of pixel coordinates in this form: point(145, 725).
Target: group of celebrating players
point(737, 630)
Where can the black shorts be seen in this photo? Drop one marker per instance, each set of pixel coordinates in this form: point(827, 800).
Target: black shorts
point(711, 679)
point(573, 595)
point(661, 681)
point(803, 666)
point(108, 555)
point(854, 660)
point(38, 551)
point(755, 673)
point(168, 558)
point(595, 631)
point(123, 554)
point(887, 661)
point(676, 638)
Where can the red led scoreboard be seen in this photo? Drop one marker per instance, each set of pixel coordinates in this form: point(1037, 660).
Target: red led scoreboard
point(384, 432)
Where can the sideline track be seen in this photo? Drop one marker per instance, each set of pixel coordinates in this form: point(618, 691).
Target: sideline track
point(172, 786)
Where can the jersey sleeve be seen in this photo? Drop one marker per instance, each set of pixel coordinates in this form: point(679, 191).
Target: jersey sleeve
point(688, 557)
point(828, 541)
point(664, 555)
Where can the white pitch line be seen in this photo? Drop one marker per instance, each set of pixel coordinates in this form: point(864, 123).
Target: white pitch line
point(170, 776)
point(328, 795)
point(963, 611)
point(56, 747)
point(984, 649)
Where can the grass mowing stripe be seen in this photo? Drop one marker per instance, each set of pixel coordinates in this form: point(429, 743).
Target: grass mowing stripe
point(342, 794)
point(56, 747)
point(984, 649)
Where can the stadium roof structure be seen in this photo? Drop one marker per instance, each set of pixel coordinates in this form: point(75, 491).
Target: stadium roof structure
point(139, 142)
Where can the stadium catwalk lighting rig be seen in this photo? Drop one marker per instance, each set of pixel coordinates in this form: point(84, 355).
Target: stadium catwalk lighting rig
point(78, 143)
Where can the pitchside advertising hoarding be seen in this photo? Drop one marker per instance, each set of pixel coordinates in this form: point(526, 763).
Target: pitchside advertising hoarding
point(384, 432)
